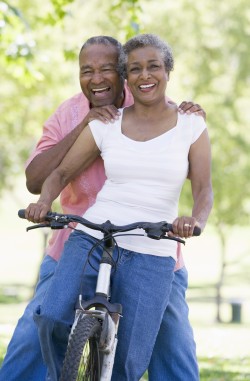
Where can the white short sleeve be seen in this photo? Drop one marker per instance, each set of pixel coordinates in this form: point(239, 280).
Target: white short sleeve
point(198, 126)
point(99, 130)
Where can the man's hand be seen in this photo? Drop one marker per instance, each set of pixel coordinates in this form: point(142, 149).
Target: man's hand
point(105, 114)
point(190, 108)
point(36, 212)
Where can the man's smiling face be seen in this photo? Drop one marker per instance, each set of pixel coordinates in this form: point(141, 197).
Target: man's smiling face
point(99, 79)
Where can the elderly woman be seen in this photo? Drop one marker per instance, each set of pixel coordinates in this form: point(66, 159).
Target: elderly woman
point(148, 153)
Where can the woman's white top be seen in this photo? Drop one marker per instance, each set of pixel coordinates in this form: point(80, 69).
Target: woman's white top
point(144, 180)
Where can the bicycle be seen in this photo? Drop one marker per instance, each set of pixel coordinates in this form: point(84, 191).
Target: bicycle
point(93, 339)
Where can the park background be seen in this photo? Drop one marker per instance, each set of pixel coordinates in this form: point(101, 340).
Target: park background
point(39, 48)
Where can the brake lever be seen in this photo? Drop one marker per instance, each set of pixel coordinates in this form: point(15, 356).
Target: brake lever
point(174, 239)
point(37, 226)
point(157, 234)
point(54, 225)
point(155, 231)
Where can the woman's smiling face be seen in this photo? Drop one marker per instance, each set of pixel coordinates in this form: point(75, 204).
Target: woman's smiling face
point(146, 74)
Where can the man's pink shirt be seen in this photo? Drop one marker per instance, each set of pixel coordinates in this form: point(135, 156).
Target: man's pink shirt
point(81, 193)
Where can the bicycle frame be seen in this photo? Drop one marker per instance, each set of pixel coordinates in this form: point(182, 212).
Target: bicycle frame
point(102, 309)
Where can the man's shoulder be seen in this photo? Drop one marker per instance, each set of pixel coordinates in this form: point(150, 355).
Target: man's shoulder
point(74, 101)
point(69, 113)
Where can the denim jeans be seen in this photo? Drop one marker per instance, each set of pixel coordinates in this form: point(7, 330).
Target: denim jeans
point(173, 357)
point(143, 285)
point(174, 354)
point(23, 360)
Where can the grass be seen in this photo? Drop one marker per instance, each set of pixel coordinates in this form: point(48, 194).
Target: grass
point(223, 349)
point(221, 369)
point(2, 352)
point(211, 369)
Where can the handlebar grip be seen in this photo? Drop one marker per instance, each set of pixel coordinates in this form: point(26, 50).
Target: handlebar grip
point(197, 231)
point(21, 213)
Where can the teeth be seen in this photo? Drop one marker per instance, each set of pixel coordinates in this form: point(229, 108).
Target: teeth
point(146, 86)
point(100, 90)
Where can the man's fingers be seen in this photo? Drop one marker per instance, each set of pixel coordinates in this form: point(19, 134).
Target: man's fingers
point(36, 212)
point(105, 114)
point(182, 106)
point(190, 108)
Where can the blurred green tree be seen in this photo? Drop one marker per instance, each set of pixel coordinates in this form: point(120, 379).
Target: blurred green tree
point(210, 40)
point(29, 88)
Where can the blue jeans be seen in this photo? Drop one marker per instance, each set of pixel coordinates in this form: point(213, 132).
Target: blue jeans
point(23, 360)
point(143, 285)
point(174, 354)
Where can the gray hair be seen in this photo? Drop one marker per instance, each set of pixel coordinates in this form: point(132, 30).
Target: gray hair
point(107, 41)
point(141, 41)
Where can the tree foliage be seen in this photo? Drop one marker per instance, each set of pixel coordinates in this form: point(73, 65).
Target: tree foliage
point(131, 24)
point(29, 87)
point(210, 40)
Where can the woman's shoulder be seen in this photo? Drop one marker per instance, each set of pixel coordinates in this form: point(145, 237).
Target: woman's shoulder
point(191, 126)
point(191, 120)
point(106, 128)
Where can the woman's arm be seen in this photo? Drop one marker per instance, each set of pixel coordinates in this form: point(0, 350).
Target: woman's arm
point(200, 176)
point(82, 153)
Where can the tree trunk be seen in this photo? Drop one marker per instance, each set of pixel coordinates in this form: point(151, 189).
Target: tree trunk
point(220, 282)
point(223, 264)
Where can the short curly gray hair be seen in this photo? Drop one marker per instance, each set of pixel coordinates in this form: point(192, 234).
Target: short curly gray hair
point(141, 41)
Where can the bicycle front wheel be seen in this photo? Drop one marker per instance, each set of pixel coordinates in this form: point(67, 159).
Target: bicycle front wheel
point(83, 359)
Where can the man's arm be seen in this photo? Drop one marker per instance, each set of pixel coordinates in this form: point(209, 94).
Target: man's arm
point(82, 153)
point(44, 163)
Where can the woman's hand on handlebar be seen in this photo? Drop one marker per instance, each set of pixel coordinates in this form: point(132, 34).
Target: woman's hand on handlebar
point(183, 227)
point(36, 212)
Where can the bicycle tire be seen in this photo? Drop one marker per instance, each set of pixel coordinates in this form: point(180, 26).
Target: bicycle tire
point(82, 361)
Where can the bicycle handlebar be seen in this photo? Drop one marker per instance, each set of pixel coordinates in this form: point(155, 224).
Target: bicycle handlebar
point(154, 230)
